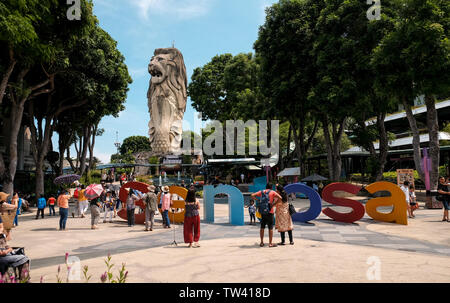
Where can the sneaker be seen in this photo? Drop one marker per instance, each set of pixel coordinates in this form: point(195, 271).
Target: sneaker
point(281, 243)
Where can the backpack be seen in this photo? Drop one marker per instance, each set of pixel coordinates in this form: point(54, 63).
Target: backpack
point(75, 194)
point(264, 203)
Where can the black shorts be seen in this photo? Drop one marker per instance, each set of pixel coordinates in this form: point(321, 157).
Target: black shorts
point(267, 220)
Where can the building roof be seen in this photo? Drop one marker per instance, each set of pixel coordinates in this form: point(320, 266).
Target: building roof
point(424, 138)
point(443, 107)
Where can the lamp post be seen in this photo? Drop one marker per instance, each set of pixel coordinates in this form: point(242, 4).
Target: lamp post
point(117, 145)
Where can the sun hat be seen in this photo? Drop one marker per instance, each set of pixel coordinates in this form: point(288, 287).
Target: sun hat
point(3, 196)
point(166, 188)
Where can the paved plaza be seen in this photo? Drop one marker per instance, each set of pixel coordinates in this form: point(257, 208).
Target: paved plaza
point(324, 250)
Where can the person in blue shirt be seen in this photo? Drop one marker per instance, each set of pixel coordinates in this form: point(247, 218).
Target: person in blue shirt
point(19, 208)
point(42, 203)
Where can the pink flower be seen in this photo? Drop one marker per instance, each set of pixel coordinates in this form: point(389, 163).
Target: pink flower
point(103, 277)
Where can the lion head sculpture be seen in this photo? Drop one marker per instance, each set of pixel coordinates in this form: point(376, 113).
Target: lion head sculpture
point(166, 100)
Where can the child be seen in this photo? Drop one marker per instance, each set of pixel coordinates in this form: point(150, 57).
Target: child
point(252, 211)
point(51, 205)
point(412, 201)
point(109, 205)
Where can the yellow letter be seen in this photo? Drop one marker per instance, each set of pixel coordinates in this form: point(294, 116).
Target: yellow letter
point(397, 200)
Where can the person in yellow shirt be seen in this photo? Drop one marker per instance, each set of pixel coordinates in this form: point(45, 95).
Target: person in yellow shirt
point(83, 201)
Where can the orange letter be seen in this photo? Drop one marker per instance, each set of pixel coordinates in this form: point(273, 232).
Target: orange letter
point(397, 200)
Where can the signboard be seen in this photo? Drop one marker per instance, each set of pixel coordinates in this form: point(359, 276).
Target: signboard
point(405, 175)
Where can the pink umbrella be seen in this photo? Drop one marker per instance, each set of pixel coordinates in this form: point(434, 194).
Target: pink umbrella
point(93, 191)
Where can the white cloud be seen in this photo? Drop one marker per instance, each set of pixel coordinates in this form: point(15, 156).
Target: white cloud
point(137, 72)
point(104, 157)
point(181, 9)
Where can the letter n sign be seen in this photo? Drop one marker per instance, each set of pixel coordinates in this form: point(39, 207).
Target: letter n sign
point(235, 203)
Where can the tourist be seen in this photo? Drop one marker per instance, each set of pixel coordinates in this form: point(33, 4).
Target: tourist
point(444, 196)
point(104, 178)
point(95, 205)
point(191, 229)
point(412, 200)
point(150, 208)
point(110, 206)
point(283, 222)
point(18, 211)
point(405, 189)
point(41, 204)
point(118, 203)
point(166, 203)
point(266, 210)
point(252, 212)
point(51, 206)
point(242, 178)
point(131, 206)
point(76, 195)
point(83, 201)
point(14, 258)
point(63, 204)
point(123, 179)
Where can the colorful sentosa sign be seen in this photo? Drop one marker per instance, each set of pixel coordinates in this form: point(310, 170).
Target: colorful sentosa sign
point(396, 200)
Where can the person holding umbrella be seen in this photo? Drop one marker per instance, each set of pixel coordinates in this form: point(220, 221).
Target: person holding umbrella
point(95, 205)
point(63, 203)
point(93, 193)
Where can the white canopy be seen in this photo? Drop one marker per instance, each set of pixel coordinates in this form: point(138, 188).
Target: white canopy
point(291, 171)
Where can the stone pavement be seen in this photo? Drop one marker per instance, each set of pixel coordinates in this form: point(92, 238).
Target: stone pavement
point(327, 251)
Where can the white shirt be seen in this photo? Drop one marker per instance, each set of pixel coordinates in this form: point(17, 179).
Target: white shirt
point(406, 192)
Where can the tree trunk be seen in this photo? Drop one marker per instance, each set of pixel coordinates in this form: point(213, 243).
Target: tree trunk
point(91, 145)
point(16, 121)
point(40, 142)
point(7, 74)
point(416, 138)
point(383, 147)
point(86, 136)
point(333, 143)
point(74, 168)
point(298, 150)
point(433, 131)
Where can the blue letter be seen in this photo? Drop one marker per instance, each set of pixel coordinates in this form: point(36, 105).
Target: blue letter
point(314, 198)
point(235, 203)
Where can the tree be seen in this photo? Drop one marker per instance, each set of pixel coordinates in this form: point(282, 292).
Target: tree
point(33, 61)
point(135, 144)
point(415, 59)
point(284, 50)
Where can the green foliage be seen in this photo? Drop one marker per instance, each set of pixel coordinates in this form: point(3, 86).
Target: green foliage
point(224, 87)
point(134, 144)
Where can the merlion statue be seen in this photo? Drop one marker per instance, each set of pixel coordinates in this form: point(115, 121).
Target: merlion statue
point(166, 100)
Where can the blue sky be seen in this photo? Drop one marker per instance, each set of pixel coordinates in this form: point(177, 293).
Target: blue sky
point(200, 29)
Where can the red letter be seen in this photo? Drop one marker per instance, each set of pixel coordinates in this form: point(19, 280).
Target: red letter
point(358, 209)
